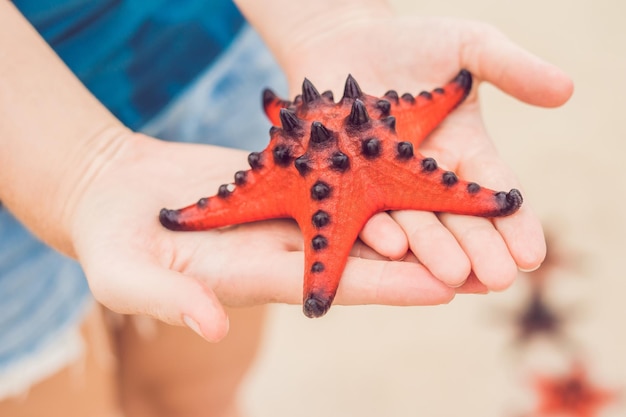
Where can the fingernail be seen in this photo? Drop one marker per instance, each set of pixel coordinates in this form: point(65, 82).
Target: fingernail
point(530, 269)
point(193, 325)
point(457, 285)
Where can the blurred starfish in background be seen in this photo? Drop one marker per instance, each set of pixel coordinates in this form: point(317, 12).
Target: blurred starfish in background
point(537, 317)
point(571, 395)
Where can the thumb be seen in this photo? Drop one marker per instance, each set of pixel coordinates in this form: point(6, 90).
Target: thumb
point(491, 56)
point(141, 286)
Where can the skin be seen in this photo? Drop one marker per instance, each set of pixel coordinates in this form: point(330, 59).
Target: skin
point(102, 210)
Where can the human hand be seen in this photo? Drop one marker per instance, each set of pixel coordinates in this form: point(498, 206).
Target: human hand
point(93, 190)
point(384, 52)
point(135, 265)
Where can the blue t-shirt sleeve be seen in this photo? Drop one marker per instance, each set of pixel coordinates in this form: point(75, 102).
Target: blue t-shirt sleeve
point(135, 56)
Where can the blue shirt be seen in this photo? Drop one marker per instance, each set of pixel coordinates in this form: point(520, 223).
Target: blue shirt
point(135, 56)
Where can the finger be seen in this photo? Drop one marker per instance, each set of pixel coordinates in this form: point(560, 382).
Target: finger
point(361, 250)
point(384, 235)
point(472, 286)
point(139, 286)
point(391, 283)
point(434, 246)
point(489, 256)
point(524, 236)
point(492, 57)
point(364, 281)
point(522, 231)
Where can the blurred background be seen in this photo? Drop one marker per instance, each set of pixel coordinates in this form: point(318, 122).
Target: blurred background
point(555, 341)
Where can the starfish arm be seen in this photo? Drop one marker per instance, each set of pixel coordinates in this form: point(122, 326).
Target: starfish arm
point(417, 116)
point(252, 197)
point(460, 198)
point(329, 231)
point(416, 183)
point(272, 105)
point(329, 211)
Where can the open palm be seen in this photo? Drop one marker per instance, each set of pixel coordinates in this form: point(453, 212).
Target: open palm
point(135, 265)
point(413, 54)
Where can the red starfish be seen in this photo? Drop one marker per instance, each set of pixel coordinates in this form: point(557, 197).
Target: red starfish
point(331, 166)
point(571, 395)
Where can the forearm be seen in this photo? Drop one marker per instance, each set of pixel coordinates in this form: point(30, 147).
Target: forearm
point(54, 134)
point(286, 25)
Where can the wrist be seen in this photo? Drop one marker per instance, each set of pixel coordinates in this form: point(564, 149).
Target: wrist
point(314, 21)
point(54, 134)
point(90, 164)
point(44, 194)
point(292, 28)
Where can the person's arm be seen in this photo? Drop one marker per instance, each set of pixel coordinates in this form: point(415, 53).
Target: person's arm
point(55, 136)
point(286, 25)
point(295, 29)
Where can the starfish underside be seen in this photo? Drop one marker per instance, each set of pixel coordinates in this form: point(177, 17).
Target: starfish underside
point(331, 166)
